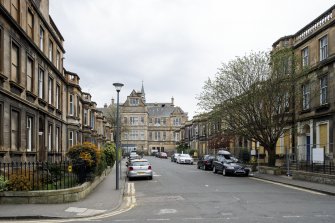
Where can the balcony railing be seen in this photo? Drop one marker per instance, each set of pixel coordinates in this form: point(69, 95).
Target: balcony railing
point(314, 25)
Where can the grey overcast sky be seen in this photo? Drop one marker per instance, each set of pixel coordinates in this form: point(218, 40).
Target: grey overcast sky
point(173, 46)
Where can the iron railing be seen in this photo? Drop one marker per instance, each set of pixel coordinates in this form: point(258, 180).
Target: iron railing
point(44, 175)
point(324, 168)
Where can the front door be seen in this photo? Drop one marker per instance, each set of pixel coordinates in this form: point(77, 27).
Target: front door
point(41, 135)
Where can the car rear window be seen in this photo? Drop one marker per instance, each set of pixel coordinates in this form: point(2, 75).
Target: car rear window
point(184, 155)
point(226, 157)
point(140, 164)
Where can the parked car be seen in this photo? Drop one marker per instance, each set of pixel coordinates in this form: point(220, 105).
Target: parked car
point(184, 158)
point(139, 168)
point(206, 162)
point(229, 167)
point(174, 157)
point(154, 152)
point(163, 155)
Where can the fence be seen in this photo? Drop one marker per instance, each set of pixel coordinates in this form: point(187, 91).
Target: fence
point(43, 175)
point(324, 168)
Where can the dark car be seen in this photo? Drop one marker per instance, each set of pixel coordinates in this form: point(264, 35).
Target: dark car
point(206, 162)
point(229, 167)
point(174, 157)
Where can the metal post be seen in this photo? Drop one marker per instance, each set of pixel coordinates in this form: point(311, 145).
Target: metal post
point(258, 160)
point(288, 163)
point(118, 88)
point(117, 142)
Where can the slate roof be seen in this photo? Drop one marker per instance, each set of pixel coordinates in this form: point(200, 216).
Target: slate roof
point(162, 109)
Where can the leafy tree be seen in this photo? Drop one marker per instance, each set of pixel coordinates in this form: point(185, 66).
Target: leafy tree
point(251, 95)
point(182, 148)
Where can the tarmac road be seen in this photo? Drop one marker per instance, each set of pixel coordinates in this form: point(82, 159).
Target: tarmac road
point(182, 193)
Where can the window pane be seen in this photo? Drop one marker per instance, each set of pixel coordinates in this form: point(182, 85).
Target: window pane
point(15, 130)
point(15, 63)
point(30, 24)
point(29, 74)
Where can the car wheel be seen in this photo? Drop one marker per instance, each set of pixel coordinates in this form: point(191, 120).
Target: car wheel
point(150, 178)
point(130, 179)
point(224, 172)
point(198, 167)
point(214, 169)
point(246, 174)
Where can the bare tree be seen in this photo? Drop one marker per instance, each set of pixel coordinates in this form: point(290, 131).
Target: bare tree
point(110, 114)
point(252, 94)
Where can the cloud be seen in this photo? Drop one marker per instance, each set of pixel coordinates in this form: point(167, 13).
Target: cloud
point(171, 45)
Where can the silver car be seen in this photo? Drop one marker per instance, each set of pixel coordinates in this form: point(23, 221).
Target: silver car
point(139, 168)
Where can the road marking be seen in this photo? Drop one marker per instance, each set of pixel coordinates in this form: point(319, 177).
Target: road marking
point(226, 214)
point(289, 186)
point(167, 211)
point(292, 216)
point(158, 219)
point(236, 198)
point(322, 215)
point(126, 220)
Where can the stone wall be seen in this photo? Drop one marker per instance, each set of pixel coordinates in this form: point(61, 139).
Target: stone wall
point(52, 196)
point(313, 177)
point(270, 170)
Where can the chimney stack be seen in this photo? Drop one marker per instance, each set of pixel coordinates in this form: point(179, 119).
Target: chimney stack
point(112, 101)
point(172, 101)
point(105, 105)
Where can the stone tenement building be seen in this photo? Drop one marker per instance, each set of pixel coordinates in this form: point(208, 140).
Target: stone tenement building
point(149, 126)
point(312, 107)
point(43, 111)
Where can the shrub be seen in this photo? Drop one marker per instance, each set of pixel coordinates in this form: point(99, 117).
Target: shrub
point(110, 153)
point(191, 152)
point(102, 165)
point(3, 184)
point(18, 182)
point(85, 158)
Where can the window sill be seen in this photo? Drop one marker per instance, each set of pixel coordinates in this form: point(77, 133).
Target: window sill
point(305, 111)
point(15, 86)
point(31, 95)
point(322, 107)
point(3, 78)
point(51, 107)
point(42, 102)
point(58, 111)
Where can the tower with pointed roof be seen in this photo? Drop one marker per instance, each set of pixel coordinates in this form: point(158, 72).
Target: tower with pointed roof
point(142, 92)
point(150, 126)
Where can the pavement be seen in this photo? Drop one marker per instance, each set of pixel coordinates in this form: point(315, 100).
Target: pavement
point(103, 199)
point(106, 199)
point(288, 180)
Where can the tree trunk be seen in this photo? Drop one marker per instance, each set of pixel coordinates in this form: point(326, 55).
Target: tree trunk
point(272, 156)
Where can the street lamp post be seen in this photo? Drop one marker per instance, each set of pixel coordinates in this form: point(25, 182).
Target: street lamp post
point(118, 87)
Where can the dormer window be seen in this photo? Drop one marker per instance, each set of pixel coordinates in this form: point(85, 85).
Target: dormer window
point(134, 101)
